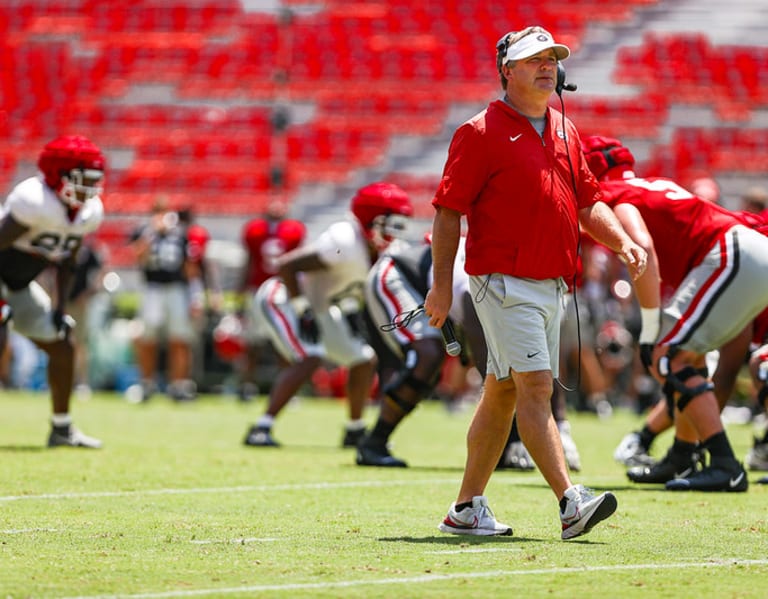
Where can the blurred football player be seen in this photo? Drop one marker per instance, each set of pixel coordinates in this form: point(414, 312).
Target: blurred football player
point(42, 224)
point(411, 352)
point(312, 309)
point(265, 239)
point(171, 297)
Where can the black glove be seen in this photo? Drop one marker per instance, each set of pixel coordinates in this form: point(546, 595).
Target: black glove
point(308, 330)
point(646, 355)
point(63, 322)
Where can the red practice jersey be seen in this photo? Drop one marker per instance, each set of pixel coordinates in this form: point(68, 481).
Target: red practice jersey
point(683, 227)
point(265, 241)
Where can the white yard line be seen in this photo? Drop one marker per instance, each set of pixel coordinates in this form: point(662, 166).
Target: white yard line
point(319, 486)
point(430, 578)
point(21, 531)
point(244, 541)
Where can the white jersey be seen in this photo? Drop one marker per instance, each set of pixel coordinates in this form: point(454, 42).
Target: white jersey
point(343, 248)
point(51, 233)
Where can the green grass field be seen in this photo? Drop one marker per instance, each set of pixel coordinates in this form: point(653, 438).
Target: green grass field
point(176, 506)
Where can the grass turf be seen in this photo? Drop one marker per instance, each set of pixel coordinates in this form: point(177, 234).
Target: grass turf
point(176, 506)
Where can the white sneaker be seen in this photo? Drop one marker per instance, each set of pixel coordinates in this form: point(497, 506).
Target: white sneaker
point(757, 458)
point(631, 453)
point(570, 450)
point(583, 510)
point(69, 436)
point(475, 520)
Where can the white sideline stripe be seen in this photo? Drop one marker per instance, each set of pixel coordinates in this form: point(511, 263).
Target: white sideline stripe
point(21, 531)
point(243, 489)
point(477, 550)
point(428, 578)
point(232, 541)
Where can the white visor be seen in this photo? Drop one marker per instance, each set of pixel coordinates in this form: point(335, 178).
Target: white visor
point(534, 43)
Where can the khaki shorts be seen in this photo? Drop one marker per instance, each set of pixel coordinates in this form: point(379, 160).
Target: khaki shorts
point(521, 322)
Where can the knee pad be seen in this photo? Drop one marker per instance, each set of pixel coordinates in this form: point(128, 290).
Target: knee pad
point(404, 379)
point(675, 383)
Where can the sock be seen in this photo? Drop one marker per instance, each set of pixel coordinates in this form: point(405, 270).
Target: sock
point(646, 437)
point(381, 432)
point(356, 425)
point(462, 506)
point(718, 446)
point(61, 420)
point(266, 421)
point(683, 448)
point(563, 503)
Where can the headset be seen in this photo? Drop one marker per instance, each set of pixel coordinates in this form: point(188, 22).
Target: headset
point(501, 49)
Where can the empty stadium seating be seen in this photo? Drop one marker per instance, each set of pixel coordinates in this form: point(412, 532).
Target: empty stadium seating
point(189, 90)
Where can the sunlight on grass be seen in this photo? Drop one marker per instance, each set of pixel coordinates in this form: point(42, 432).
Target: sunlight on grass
point(175, 505)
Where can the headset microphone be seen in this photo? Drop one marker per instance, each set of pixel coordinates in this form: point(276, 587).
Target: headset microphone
point(561, 84)
point(452, 346)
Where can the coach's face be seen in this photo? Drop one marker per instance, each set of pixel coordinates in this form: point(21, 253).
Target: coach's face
point(532, 79)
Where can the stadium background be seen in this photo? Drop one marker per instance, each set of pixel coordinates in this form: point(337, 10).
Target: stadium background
point(222, 105)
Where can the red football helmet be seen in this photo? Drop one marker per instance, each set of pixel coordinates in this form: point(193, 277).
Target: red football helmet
point(197, 238)
point(605, 153)
point(73, 166)
point(228, 341)
point(383, 210)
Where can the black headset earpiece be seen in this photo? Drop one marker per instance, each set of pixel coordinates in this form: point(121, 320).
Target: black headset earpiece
point(561, 84)
point(501, 49)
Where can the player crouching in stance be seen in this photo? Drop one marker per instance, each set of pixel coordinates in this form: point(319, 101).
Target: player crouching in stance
point(716, 265)
point(411, 352)
point(312, 310)
point(42, 224)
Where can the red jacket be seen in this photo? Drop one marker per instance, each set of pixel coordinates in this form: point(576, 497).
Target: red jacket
point(517, 191)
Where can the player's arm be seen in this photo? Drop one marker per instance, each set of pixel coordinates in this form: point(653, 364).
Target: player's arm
point(647, 285)
point(294, 262)
point(141, 242)
point(65, 271)
point(10, 230)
